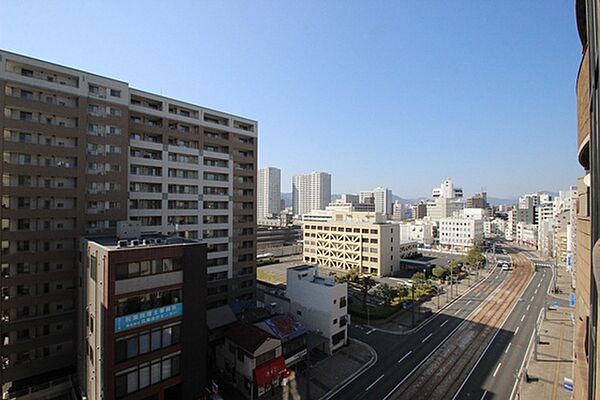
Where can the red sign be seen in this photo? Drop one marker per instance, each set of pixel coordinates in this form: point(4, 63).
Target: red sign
point(265, 373)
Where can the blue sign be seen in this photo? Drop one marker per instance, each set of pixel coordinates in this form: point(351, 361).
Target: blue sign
point(569, 386)
point(572, 300)
point(147, 317)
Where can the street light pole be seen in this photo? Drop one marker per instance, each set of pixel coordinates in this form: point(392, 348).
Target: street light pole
point(413, 304)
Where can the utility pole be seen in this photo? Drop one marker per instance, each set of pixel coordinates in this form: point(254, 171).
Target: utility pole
point(451, 279)
point(438, 295)
point(413, 304)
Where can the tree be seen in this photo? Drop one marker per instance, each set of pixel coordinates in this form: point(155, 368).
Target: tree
point(439, 272)
point(418, 277)
point(350, 276)
point(367, 283)
point(387, 292)
point(401, 290)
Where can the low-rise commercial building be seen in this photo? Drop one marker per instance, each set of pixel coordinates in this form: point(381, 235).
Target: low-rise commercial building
point(420, 232)
point(252, 360)
point(320, 303)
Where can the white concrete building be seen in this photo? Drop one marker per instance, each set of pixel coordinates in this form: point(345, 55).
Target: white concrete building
point(460, 233)
point(268, 196)
point(310, 192)
point(527, 234)
point(354, 240)
point(382, 197)
point(447, 191)
point(417, 231)
point(319, 303)
point(510, 232)
point(443, 207)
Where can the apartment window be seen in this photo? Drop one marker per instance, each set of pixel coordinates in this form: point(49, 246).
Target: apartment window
point(115, 93)
point(25, 116)
point(26, 72)
point(93, 267)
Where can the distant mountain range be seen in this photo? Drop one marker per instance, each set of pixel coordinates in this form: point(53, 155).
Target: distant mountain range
point(495, 201)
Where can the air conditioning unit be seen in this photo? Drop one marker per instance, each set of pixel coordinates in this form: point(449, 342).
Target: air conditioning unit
point(122, 243)
point(135, 242)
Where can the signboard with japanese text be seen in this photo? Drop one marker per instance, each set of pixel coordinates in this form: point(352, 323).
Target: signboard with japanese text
point(147, 317)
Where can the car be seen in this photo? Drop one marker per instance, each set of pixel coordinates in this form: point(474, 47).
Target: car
point(506, 267)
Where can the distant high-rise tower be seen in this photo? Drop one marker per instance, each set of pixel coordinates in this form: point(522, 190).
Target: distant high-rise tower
point(382, 198)
point(310, 192)
point(269, 192)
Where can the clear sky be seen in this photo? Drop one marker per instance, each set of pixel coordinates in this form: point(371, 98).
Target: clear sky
point(378, 93)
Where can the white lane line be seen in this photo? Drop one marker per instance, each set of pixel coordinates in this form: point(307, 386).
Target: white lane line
point(497, 368)
point(517, 330)
point(528, 305)
point(457, 311)
point(371, 331)
point(539, 284)
point(531, 298)
point(373, 384)
point(444, 323)
point(468, 302)
point(427, 337)
point(523, 317)
point(507, 347)
point(484, 393)
point(536, 290)
point(406, 355)
point(441, 343)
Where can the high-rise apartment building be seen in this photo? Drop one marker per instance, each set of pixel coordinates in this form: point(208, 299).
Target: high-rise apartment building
point(587, 273)
point(268, 192)
point(81, 152)
point(310, 192)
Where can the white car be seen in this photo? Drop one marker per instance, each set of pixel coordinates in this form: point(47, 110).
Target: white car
point(506, 267)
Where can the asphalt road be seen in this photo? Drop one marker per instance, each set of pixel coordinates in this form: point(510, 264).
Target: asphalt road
point(493, 376)
point(398, 355)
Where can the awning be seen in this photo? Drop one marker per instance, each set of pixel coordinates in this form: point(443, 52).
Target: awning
point(265, 373)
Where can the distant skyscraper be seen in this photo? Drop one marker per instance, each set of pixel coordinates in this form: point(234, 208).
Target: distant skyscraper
point(447, 190)
point(382, 198)
point(269, 192)
point(310, 192)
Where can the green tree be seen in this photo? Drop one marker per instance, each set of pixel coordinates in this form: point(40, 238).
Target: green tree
point(439, 272)
point(387, 292)
point(367, 283)
point(418, 277)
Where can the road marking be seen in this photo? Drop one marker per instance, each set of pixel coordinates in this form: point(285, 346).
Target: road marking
point(439, 345)
point(497, 368)
point(539, 284)
point(457, 311)
point(507, 347)
point(468, 302)
point(531, 298)
point(536, 290)
point(517, 330)
point(427, 337)
point(484, 393)
point(523, 317)
point(406, 355)
point(528, 305)
point(373, 384)
point(371, 331)
point(444, 323)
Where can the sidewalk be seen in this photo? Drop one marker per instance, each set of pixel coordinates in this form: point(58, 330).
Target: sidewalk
point(329, 373)
point(544, 378)
point(402, 322)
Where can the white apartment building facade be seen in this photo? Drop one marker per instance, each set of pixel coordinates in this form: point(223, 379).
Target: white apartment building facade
point(319, 303)
point(310, 192)
point(268, 197)
point(460, 233)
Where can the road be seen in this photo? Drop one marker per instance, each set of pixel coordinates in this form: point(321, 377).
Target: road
point(495, 376)
point(401, 356)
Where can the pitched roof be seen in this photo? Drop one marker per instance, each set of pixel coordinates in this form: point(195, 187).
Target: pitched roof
point(285, 327)
point(247, 336)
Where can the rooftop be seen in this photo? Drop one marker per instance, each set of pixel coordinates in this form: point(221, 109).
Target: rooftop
point(144, 240)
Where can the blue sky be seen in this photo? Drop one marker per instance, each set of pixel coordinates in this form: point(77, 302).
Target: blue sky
point(387, 93)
